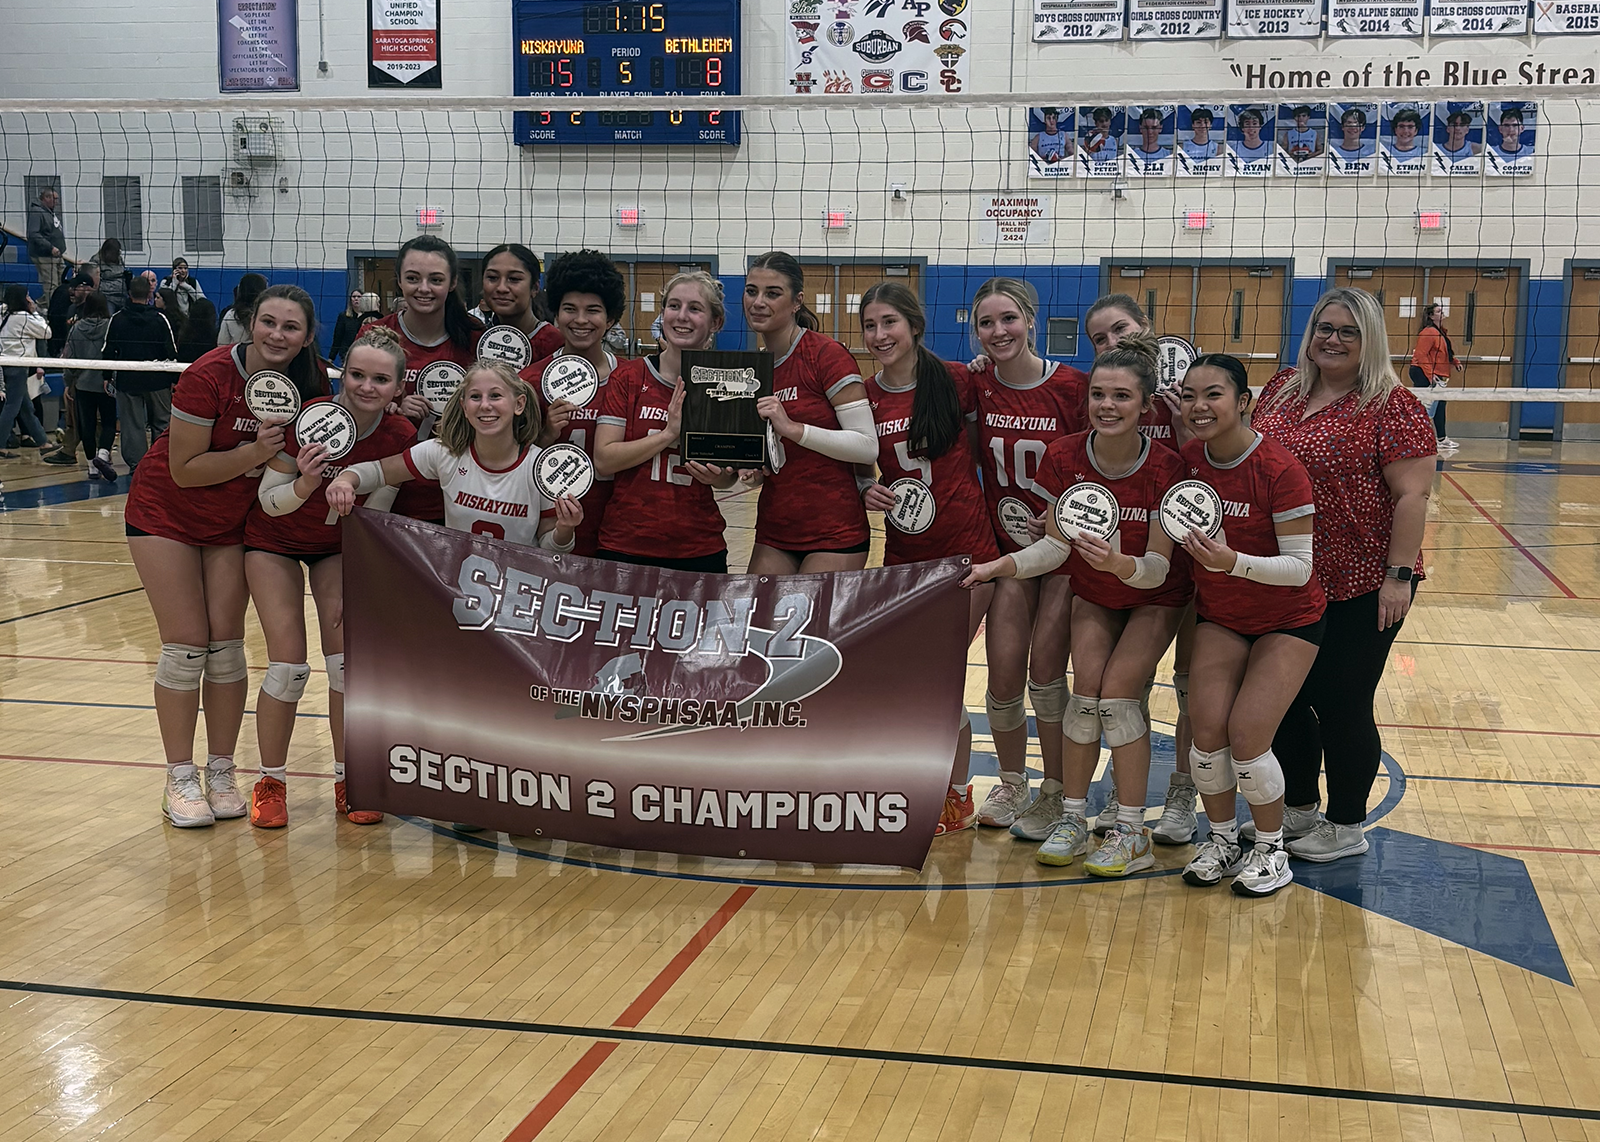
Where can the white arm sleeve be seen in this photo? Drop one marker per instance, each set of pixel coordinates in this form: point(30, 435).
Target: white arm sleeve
point(369, 476)
point(1149, 571)
point(277, 494)
point(1291, 567)
point(1040, 557)
point(382, 499)
point(855, 441)
point(547, 540)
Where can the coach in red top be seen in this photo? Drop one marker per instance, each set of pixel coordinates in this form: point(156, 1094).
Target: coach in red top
point(1369, 447)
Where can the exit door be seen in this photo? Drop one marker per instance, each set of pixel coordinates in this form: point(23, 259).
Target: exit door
point(1219, 308)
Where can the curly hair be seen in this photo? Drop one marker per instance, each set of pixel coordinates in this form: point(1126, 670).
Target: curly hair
point(586, 271)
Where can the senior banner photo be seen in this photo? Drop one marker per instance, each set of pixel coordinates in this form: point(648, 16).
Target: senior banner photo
point(805, 718)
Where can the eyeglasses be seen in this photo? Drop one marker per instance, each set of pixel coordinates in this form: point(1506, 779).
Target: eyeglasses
point(1349, 334)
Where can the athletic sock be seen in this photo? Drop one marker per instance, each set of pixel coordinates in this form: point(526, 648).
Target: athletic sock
point(181, 769)
point(1131, 816)
point(279, 774)
point(219, 761)
point(1013, 778)
point(338, 772)
point(1273, 840)
point(1078, 805)
point(955, 790)
point(1228, 830)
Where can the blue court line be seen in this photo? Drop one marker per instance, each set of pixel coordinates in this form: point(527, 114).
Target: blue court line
point(111, 706)
point(50, 495)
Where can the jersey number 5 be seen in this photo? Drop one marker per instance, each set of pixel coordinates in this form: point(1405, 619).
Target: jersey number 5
point(922, 467)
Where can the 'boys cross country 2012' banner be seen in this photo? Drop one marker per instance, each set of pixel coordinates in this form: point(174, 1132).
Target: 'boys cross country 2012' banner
point(803, 718)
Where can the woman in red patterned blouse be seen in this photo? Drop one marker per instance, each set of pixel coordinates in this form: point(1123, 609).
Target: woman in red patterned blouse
point(1369, 447)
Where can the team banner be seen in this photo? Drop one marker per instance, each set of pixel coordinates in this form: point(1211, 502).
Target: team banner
point(1265, 20)
point(910, 48)
point(403, 44)
point(1561, 17)
point(802, 718)
point(1478, 17)
point(1059, 20)
point(1174, 19)
point(1374, 17)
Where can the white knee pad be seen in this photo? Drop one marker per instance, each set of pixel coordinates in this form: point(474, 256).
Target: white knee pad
point(226, 661)
point(1049, 701)
point(1082, 721)
point(1212, 772)
point(335, 665)
point(180, 667)
point(1005, 715)
point(1260, 779)
point(1180, 683)
point(1122, 721)
point(285, 681)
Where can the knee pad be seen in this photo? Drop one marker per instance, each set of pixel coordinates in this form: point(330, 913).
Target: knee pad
point(335, 665)
point(964, 724)
point(1180, 684)
point(180, 667)
point(1082, 721)
point(1212, 772)
point(1260, 779)
point(1005, 715)
point(1049, 701)
point(1122, 721)
point(226, 661)
point(285, 681)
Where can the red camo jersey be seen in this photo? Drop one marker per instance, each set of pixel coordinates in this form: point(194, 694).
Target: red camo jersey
point(312, 528)
point(580, 431)
point(961, 520)
point(657, 509)
point(1070, 460)
point(209, 393)
point(547, 340)
point(1157, 424)
point(1015, 427)
point(1265, 487)
point(812, 504)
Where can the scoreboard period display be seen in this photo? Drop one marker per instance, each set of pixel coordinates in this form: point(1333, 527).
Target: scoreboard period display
point(676, 47)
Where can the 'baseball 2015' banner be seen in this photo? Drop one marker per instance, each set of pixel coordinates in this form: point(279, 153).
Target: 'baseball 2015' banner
point(803, 718)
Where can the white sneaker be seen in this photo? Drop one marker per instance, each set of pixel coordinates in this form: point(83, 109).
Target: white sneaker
point(1329, 841)
point(1178, 821)
point(1039, 819)
point(184, 802)
point(1297, 823)
point(1446, 444)
point(1107, 820)
point(1069, 840)
point(1265, 870)
point(1215, 860)
point(222, 792)
point(1004, 802)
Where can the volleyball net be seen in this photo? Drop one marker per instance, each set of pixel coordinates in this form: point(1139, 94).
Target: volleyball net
point(1225, 219)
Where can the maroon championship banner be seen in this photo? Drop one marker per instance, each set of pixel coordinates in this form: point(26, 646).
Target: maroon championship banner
point(798, 718)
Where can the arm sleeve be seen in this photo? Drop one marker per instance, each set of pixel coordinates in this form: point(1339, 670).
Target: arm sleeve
point(1291, 567)
point(1149, 571)
point(277, 494)
point(855, 441)
point(369, 475)
point(1040, 557)
point(547, 540)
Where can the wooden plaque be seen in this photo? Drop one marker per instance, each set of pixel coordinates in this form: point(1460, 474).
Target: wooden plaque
point(720, 422)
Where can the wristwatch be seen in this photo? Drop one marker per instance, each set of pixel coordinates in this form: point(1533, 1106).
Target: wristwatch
point(1404, 574)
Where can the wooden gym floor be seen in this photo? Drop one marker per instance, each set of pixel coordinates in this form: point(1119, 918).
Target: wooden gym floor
point(401, 982)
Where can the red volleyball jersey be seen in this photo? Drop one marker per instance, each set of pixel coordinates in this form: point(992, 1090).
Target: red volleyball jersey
point(547, 340)
point(960, 523)
point(811, 503)
point(1265, 487)
point(1015, 427)
point(1156, 425)
point(580, 431)
point(313, 528)
point(210, 393)
point(1070, 460)
point(657, 509)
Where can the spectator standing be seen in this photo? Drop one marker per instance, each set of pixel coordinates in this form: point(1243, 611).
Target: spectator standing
point(22, 326)
point(63, 309)
point(236, 318)
point(144, 400)
point(199, 334)
point(114, 275)
point(47, 239)
point(346, 328)
point(96, 407)
point(180, 283)
point(1433, 359)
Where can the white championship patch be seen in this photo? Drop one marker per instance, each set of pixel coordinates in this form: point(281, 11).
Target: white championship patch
point(1190, 506)
point(506, 343)
point(437, 383)
point(572, 379)
point(1174, 355)
point(1087, 509)
point(563, 470)
point(914, 510)
point(1014, 516)
point(329, 424)
point(271, 397)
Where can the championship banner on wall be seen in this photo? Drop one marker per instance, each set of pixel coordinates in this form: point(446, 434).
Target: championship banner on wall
point(1561, 17)
point(1059, 20)
point(1174, 19)
point(1374, 17)
point(403, 44)
point(1301, 19)
point(881, 46)
point(807, 718)
point(258, 45)
point(1478, 17)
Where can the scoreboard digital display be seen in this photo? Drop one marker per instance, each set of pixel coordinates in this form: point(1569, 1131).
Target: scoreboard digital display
point(678, 47)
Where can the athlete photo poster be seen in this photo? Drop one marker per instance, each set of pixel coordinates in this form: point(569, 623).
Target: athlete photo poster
point(1201, 130)
point(1250, 145)
point(1352, 139)
point(1099, 133)
point(1302, 138)
point(1050, 142)
point(1457, 138)
point(1151, 136)
point(403, 44)
point(1403, 138)
point(1511, 136)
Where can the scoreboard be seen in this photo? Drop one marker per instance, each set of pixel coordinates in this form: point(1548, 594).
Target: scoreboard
point(676, 47)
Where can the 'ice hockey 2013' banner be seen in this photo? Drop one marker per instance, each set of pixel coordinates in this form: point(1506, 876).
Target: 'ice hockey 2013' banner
point(801, 718)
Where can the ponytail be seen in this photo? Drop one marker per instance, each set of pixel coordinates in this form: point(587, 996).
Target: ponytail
point(460, 327)
point(786, 266)
point(936, 419)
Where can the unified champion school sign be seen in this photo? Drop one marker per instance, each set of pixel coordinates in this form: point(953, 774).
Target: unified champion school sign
point(803, 718)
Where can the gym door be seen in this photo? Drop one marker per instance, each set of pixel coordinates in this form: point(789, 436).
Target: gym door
point(376, 274)
point(834, 294)
point(1582, 351)
point(646, 280)
point(1218, 308)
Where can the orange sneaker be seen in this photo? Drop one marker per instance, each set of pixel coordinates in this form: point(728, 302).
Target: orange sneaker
point(269, 806)
point(959, 812)
point(354, 816)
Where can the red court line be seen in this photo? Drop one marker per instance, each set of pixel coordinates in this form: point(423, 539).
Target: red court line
point(125, 764)
point(583, 1070)
point(1488, 730)
point(1511, 539)
point(1531, 849)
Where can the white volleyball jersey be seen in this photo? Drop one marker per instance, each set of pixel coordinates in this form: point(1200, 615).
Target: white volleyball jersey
point(500, 503)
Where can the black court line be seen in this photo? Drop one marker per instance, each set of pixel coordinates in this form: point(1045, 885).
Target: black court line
point(69, 606)
point(970, 1062)
point(1504, 646)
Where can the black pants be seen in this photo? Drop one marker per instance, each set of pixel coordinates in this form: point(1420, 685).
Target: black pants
point(97, 420)
point(1419, 380)
point(713, 564)
point(1330, 722)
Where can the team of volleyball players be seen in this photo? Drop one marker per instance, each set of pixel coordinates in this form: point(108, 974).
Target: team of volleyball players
point(226, 508)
